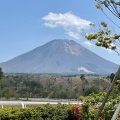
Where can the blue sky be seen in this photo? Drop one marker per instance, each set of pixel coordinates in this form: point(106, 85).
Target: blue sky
point(27, 24)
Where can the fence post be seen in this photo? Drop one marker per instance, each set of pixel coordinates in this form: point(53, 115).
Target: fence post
point(22, 105)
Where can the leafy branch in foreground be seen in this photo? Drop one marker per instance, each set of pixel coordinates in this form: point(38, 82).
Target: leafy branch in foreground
point(107, 39)
point(104, 37)
point(112, 5)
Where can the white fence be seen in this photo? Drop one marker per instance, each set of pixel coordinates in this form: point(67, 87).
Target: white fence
point(24, 103)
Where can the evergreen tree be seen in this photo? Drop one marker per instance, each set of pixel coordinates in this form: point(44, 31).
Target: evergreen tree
point(1, 73)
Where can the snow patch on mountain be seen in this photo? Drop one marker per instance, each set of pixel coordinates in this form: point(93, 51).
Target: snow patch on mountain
point(85, 70)
point(74, 50)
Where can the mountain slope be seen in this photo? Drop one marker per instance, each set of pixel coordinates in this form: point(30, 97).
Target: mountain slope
point(58, 56)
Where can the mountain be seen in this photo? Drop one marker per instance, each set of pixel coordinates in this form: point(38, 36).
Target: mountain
point(59, 56)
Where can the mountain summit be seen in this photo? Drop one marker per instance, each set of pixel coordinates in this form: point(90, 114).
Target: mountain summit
point(59, 56)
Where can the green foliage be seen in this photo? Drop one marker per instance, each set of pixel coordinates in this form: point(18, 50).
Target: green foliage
point(7, 93)
point(82, 77)
point(1, 73)
point(91, 89)
point(85, 111)
point(92, 104)
point(104, 37)
point(43, 112)
point(112, 75)
point(81, 98)
point(108, 111)
point(42, 86)
point(95, 98)
point(118, 85)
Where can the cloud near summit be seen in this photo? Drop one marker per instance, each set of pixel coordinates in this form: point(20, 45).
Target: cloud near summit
point(73, 25)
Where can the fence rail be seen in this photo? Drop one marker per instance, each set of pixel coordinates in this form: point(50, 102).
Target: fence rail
point(24, 103)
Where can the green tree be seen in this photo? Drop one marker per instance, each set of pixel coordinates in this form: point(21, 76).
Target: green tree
point(8, 92)
point(82, 77)
point(1, 73)
point(84, 82)
point(112, 75)
point(91, 89)
point(104, 37)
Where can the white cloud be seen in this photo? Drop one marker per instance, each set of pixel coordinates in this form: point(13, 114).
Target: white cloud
point(74, 35)
point(72, 24)
point(88, 43)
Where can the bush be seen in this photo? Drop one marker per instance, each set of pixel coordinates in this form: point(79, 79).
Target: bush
point(86, 111)
point(43, 112)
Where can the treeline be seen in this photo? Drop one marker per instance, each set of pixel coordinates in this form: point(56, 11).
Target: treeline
point(47, 86)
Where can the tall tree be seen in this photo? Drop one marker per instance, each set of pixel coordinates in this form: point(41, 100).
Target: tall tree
point(104, 37)
point(112, 75)
point(82, 77)
point(1, 73)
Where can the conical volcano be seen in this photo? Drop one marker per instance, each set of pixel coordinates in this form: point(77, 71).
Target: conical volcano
point(59, 56)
